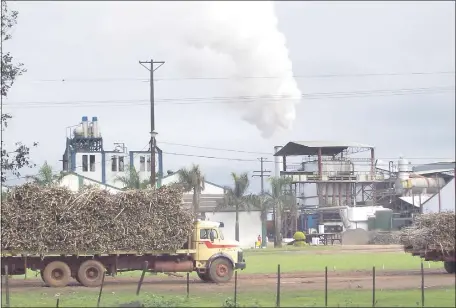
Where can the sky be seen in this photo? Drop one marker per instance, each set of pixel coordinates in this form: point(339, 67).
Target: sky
point(396, 61)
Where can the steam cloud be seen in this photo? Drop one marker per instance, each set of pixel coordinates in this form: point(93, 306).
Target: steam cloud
point(236, 39)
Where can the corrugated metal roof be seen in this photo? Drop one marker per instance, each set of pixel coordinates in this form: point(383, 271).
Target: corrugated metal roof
point(295, 148)
point(434, 167)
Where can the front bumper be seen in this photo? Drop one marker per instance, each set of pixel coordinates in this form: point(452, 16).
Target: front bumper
point(240, 265)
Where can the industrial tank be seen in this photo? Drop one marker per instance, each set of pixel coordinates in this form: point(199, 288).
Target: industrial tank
point(371, 223)
point(404, 168)
point(384, 219)
point(419, 185)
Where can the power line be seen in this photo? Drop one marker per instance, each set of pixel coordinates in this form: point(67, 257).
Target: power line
point(233, 99)
point(215, 149)
point(65, 80)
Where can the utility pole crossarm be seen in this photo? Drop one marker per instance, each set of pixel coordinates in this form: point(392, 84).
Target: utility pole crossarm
point(262, 173)
point(151, 69)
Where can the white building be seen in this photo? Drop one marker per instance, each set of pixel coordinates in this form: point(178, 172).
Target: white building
point(89, 164)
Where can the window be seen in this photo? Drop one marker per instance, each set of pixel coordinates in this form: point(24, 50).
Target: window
point(204, 234)
point(85, 163)
point(214, 233)
point(92, 163)
point(148, 163)
point(221, 234)
point(114, 163)
point(142, 163)
point(121, 164)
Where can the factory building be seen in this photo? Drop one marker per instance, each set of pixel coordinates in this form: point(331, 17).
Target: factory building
point(88, 163)
point(85, 155)
point(341, 185)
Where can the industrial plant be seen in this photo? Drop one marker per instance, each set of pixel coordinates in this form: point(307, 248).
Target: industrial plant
point(341, 186)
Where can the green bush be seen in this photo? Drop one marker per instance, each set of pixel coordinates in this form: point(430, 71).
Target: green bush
point(299, 236)
point(299, 244)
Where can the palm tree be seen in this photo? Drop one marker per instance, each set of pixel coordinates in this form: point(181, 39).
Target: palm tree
point(46, 176)
point(131, 179)
point(235, 197)
point(280, 200)
point(192, 180)
point(262, 203)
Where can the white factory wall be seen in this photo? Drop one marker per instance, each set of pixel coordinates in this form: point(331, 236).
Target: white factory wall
point(209, 188)
point(447, 199)
point(113, 173)
point(95, 172)
point(249, 226)
point(75, 182)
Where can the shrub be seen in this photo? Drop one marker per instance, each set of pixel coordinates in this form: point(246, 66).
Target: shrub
point(299, 236)
point(299, 244)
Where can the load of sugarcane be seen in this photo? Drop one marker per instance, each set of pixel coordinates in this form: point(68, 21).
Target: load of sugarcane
point(40, 220)
point(434, 231)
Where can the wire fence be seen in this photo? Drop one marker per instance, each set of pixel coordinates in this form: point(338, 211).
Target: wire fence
point(277, 288)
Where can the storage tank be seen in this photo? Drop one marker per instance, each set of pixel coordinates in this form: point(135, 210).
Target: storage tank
point(403, 168)
point(95, 130)
point(85, 126)
point(78, 131)
point(384, 219)
point(419, 185)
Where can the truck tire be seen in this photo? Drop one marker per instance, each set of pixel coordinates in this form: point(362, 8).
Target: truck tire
point(204, 277)
point(221, 270)
point(56, 274)
point(450, 266)
point(90, 273)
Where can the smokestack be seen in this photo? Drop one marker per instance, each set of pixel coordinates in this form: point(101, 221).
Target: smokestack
point(95, 131)
point(277, 166)
point(85, 126)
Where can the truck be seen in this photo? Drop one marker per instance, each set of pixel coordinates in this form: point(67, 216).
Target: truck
point(206, 251)
point(436, 254)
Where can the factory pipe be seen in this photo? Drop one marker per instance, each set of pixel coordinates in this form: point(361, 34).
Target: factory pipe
point(277, 161)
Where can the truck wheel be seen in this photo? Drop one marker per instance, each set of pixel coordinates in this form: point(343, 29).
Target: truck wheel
point(42, 275)
point(204, 277)
point(450, 266)
point(56, 274)
point(90, 273)
point(221, 270)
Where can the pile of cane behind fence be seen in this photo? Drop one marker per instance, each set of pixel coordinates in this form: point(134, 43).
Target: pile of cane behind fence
point(38, 220)
point(434, 231)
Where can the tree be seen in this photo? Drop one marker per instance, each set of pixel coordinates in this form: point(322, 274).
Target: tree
point(11, 161)
point(192, 180)
point(280, 200)
point(235, 197)
point(263, 204)
point(46, 176)
point(131, 179)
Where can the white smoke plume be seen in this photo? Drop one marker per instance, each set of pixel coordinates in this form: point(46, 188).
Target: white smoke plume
point(236, 39)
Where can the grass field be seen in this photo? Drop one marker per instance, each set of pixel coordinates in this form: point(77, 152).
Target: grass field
point(363, 298)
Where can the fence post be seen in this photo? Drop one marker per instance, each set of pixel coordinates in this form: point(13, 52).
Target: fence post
point(326, 286)
point(235, 288)
point(146, 265)
point(278, 286)
point(7, 295)
point(57, 302)
point(101, 288)
point(422, 284)
point(373, 286)
point(188, 285)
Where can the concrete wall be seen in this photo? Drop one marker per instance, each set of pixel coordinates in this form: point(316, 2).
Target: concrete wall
point(249, 226)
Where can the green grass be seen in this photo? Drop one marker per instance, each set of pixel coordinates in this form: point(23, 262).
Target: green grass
point(347, 298)
point(294, 260)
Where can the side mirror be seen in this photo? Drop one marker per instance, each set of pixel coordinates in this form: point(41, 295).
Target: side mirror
point(212, 237)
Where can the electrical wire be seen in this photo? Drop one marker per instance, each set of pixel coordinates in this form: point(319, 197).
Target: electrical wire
point(65, 80)
point(231, 100)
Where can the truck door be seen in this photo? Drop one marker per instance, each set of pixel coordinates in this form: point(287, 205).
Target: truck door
point(208, 243)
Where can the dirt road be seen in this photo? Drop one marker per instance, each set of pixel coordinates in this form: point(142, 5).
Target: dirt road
point(262, 282)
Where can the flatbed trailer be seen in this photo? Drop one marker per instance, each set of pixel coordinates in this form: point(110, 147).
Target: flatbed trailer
point(213, 258)
point(435, 254)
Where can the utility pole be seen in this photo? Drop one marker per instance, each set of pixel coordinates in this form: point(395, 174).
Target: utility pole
point(262, 174)
point(153, 133)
